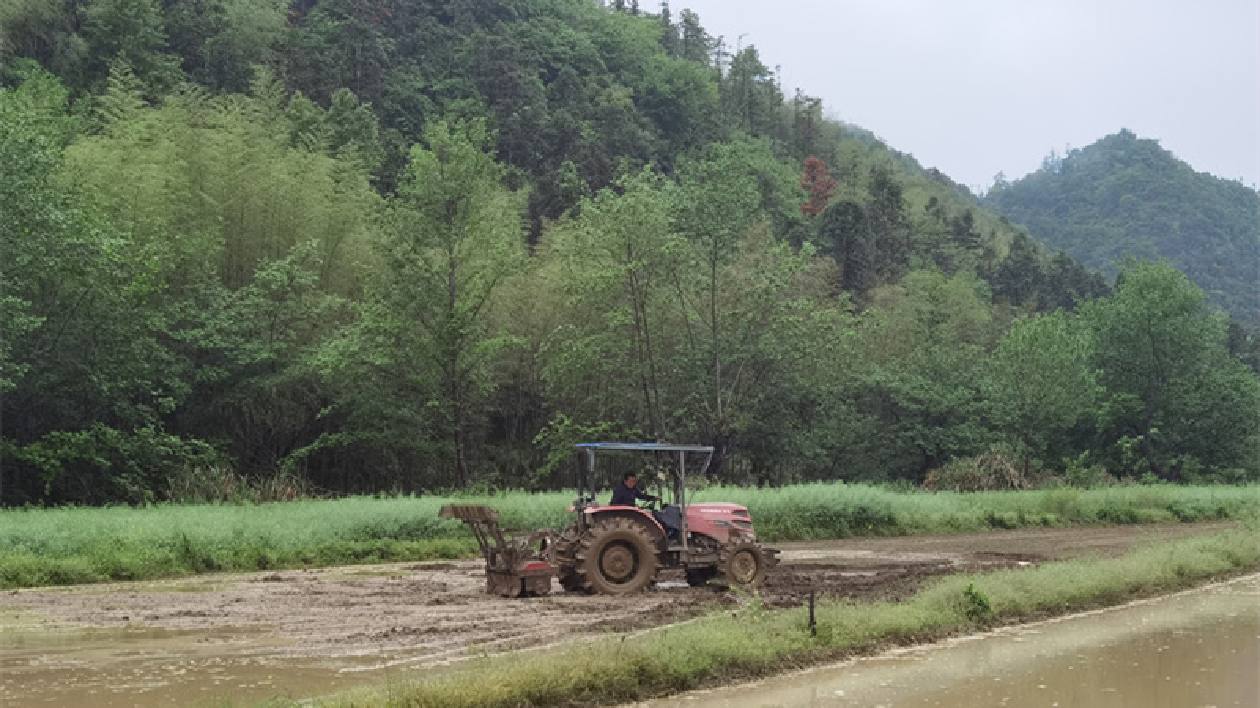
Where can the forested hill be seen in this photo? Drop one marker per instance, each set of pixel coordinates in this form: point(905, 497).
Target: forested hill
point(257, 248)
point(574, 93)
point(1127, 196)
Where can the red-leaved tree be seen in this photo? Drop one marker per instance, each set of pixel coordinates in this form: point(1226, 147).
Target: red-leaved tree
point(819, 183)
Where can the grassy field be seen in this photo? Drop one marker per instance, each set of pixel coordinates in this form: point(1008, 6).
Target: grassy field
point(756, 642)
point(81, 545)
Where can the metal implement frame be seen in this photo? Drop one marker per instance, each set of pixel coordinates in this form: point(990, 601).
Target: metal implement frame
point(513, 566)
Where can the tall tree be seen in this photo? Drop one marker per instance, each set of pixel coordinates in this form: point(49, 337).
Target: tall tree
point(618, 266)
point(924, 345)
point(131, 32)
point(1169, 377)
point(669, 33)
point(697, 45)
point(750, 94)
point(220, 171)
point(887, 220)
point(453, 235)
point(720, 201)
point(846, 235)
point(87, 327)
point(1019, 279)
point(818, 182)
point(1042, 382)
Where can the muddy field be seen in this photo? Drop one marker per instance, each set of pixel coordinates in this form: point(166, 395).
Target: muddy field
point(306, 631)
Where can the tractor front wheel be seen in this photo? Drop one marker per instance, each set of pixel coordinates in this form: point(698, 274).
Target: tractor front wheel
point(743, 564)
point(616, 557)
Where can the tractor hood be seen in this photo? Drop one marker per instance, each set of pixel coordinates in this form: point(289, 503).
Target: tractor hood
point(720, 520)
point(718, 509)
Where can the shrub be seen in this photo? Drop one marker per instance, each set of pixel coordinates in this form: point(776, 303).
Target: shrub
point(212, 484)
point(977, 605)
point(1080, 473)
point(996, 470)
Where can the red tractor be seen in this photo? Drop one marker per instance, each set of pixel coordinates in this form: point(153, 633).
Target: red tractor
point(615, 550)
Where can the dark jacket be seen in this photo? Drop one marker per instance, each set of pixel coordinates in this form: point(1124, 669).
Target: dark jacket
point(625, 496)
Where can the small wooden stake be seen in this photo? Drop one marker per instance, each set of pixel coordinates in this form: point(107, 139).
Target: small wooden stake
point(813, 626)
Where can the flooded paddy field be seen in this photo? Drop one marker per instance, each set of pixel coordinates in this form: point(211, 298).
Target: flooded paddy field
point(1194, 649)
point(248, 637)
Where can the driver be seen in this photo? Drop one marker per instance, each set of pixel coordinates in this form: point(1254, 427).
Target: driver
point(625, 494)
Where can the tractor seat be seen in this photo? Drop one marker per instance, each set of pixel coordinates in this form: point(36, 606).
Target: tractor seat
point(670, 518)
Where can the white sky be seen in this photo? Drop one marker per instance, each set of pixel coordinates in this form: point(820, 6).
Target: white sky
point(974, 87)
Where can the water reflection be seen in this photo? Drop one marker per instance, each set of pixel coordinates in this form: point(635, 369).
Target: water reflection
point(1192, 650)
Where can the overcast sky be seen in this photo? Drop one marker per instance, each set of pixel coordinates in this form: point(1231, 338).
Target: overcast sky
point(977, 87)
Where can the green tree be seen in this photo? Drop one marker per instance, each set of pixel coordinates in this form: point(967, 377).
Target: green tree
point(257, 393)
point(719, 202)
point(452, 237)
point(750, 95)
point(886, 219)
point(89, 371)
point(1019, 278)
point(695, 44)
point(27, 27)
point(131, 32)
point(34, 217)
point(923, 346)
point(343, 44)
point(219, 172)
point(1244, 345)
point(1169, 377)
point(1041, 382)
point(221, 41)
point(845, 234)
point(352, 129)
point(617, 265)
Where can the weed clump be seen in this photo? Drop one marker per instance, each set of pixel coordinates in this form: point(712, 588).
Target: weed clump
point(993, 471)
point(977, 605)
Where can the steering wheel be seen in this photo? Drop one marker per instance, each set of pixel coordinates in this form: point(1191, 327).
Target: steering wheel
point(650, 505)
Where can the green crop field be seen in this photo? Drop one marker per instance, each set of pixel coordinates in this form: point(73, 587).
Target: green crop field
point(81, 545)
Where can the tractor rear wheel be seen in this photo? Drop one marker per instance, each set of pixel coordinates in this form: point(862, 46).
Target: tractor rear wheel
point(616, 557)
point(743, 564)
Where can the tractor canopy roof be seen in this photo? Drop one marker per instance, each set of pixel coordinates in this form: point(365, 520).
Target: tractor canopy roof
point(652, 447)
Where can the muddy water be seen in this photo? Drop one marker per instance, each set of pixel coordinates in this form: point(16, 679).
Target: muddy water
point(149, 667)
point(1195, 649)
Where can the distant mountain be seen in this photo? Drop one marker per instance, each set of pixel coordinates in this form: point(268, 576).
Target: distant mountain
point(1127, 196)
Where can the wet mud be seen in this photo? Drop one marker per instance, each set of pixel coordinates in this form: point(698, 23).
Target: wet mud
point(304, 632)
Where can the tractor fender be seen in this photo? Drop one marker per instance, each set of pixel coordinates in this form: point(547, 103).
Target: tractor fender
point(633, 513)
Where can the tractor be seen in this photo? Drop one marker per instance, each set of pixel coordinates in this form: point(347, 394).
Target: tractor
point(617, 550)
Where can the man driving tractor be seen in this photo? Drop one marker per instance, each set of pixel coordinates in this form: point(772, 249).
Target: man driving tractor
point(625, 494)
